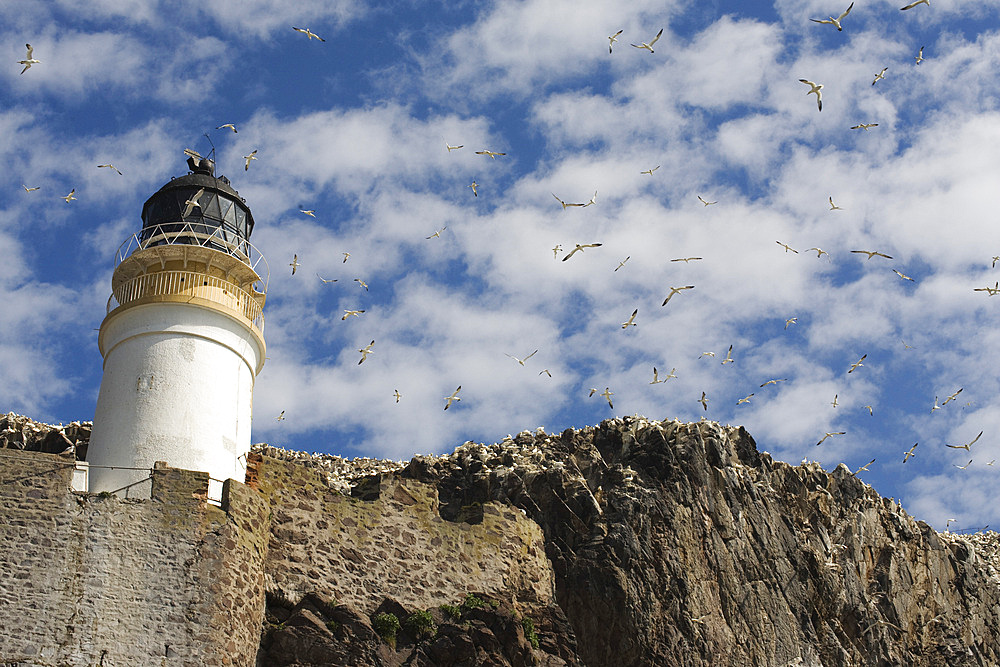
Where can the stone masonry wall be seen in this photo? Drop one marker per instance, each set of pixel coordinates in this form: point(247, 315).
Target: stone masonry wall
point(88, 580)
point(394, 543)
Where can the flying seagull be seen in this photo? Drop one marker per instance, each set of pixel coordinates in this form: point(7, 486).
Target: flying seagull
point(729, 357)
point(815, 88)
point(774, 382)
point(909, 452)
point(229, 125)
point(835, 21)
point(622, 263)
point(453, 397)
point(437, 234)
point(325, 280)
point(704, 401)
point(349, 313)
point(968, 444)
point(903, 276)
point(685, 259)
point(580, 248)
point(281, 416)
point(965, 466)
point(362, 283)
point(864, 126)
point(294, 263)
point(395, 392)
point(819, 251)
point(914, 4)
point(365, 351)
point(308, 33)
point(27, 189)
point(650, 171)
point(675, 290)
point(706, 203)
point(474, 185)
point(871, 253)
point(252, 156)
point(745, 399)
point(493, 155)
point(521, 361)
point(834, 401)
point(828, 435)
point(880, 76)
point(656, 376)
point(70, 196)
point(453, 148)
point(790, 321)
point(787, 247)
point(564, 204)
point(857, 363)
point(920, 56)
point(952, 397)
point(613, 38)
point(607, 394)
point(29, 60)
point(630, 322)
point(863, 468)
point(311, 212)
point(649, 45)
point(593, 200)
point(110, 166)
point(192, 202)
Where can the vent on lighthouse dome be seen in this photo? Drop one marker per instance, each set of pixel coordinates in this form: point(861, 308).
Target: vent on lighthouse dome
point(198, 209)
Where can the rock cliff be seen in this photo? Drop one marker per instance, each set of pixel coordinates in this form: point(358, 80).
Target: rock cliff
point(633, 542)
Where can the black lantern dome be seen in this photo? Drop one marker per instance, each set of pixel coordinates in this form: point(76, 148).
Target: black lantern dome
point(220, 219)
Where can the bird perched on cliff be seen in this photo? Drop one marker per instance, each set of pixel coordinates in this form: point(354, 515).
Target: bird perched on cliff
point(29, 60)
point(967, 445)
point(829, 435)
point(453, 397)
point(675, 290)
point(607, 395)
point(835, 21)
point(365, 351)
point(908, 453)
point(815, 88)
point(649, 45)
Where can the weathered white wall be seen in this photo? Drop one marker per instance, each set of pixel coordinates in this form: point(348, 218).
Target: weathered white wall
point(177, 387)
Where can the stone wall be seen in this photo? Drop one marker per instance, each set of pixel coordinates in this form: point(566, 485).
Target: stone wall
point(91, 580)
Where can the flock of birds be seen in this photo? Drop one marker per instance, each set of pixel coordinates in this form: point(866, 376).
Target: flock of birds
point(673, 291)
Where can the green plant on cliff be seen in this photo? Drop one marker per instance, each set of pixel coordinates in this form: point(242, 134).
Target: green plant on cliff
point(105, 495)
point(529, 631)
point(420, 624)
point(472, 602)
point(451, 611)
point(386, 626)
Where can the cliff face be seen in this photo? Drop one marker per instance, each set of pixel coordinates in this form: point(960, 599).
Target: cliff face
point(634, 542)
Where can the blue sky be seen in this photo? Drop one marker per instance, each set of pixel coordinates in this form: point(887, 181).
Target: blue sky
point(356, 128)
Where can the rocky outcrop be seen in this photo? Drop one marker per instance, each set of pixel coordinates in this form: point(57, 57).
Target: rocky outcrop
point(19, 432)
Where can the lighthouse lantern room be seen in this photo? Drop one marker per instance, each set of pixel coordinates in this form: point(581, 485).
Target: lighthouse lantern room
point(183, 339)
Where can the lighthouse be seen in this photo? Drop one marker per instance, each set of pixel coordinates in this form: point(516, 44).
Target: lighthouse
point(183, 338)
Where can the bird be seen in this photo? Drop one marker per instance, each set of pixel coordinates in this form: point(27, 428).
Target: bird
point(903, 276)
point(192, 202)
point(706, 203)
point(649, 45)
point(729, 357)
point(546, 371)
point(613, 38)
point(521, 361)
point(326, 280)
point(908, 453)
point(991, 462)
point(281, 416)
point(967, 445)
point(308, 33)
point(453, 148)
point(936, 406)
point(70, 196)
point(349, 313)
point(474, 185)
point(437, 234)
point(493, 154)
point(556, 250)
point(27, 189)
point(996, 258)
point(294, 263)
point(630, 322)
point(592, 392)
point(774, 382)
point(675, 290)
point(864, 126)
point(252, 156)
point(650, 171)
point(815, 88)
point(365, 351)
point(745, 399)
point(346, 255)
point(704, 401)
point(879, 76)
point(857, 363)
point(871, 411)
point(362, 283)
point(685, 259)
point(580, 248)
point(395, 392)
point(991, 291)
point(310, 212)
point(963, 467)
point(593, 200)
point(110, 166)
point(829, 435)
point(607, 395)
point(790, 321)
point(787, 247)
point(622, 263)
point(863, 468)
point(29, 60)
point(229, 125)
point(833, 207)
point(452, 397)
point(914, 4)
point(952, 397)
point(656, 379)
point(819, 251)
point(834, 401)
point(564, 204)
point(920, 56)
point(835, 21)
point(707, 354)
point(699, 620)
point(871, 253)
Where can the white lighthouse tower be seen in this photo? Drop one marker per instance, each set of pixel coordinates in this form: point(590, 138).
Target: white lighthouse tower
point(183, 338)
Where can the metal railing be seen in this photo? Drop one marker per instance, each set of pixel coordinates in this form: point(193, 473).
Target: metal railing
point(190, 284)
point(207, 236)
